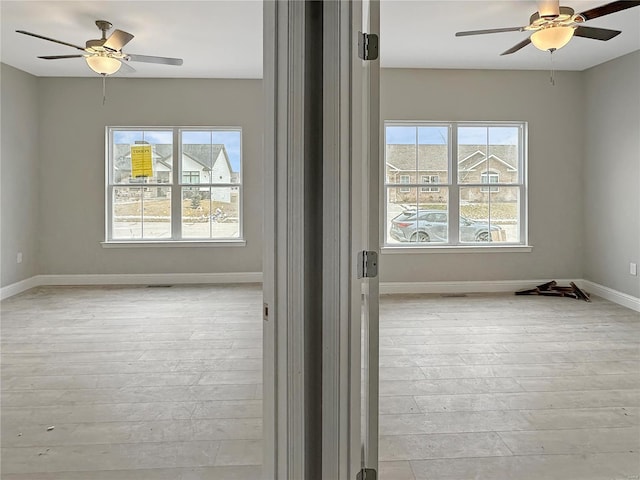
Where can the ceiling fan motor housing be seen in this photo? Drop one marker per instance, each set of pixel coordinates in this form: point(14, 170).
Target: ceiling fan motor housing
point(564, 18)
point(96, 45)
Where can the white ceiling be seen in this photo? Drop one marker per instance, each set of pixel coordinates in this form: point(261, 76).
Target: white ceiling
point(223, 39)
point(421, 34)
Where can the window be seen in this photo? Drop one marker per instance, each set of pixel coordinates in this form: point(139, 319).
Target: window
point(405, 179)
point(490, 177)
point(429, 179)
point(462, 159)
point(172, 184)
point(191, 177)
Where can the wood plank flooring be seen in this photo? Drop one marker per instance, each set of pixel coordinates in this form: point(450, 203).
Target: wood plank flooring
point(165, 383)
point(500, 387)
point(139, 383)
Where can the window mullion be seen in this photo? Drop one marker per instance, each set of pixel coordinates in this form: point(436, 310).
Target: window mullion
point(109, 195)
point(454, 189)
point(176, 188)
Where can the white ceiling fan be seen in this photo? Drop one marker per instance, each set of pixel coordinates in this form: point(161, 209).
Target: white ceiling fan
point(104, 55)
point(553, 26)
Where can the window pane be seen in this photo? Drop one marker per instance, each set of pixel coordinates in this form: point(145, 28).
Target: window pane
point(415, 216)
point(503, 153)
point(211, 212)
point(211, 156)
point(433, 225)
point(141, 213)
point(195, 212)
point(133, 164)
point(433, 155)
point(127, 213)
point(472, 154)
point(401, 153)
point(156, 213)
point(401, 208)
point(488, 216)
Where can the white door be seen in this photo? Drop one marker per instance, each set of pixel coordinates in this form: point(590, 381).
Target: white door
point(365, 215)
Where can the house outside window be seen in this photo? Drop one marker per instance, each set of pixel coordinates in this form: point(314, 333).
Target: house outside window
point(461, 158)
point(174, 184)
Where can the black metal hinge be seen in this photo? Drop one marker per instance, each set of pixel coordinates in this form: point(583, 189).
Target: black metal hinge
point(367, 46)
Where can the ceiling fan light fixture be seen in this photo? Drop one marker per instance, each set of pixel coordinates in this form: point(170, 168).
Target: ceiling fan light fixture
point(552, 38)
point(103, 64)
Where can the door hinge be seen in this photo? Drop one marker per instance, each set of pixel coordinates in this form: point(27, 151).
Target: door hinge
point(367, 264)
point(367, 474)
point(367, 46)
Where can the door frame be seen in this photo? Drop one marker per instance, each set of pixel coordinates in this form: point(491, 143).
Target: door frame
point(288, 51)
point(283, 263)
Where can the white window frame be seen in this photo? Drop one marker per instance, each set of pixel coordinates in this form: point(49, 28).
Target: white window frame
point(176, 186)
point(453, 187)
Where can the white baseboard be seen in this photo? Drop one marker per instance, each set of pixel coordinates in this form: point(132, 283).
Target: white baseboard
point(18, 287)
point(612, 295)
point(502, 286)
point(496, 286)
point(130, 279)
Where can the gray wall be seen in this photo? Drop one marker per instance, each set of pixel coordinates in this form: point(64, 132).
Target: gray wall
point(72, 147)
point(583, 160)
point(612, 173)
point(19, 215)
point(555, 116)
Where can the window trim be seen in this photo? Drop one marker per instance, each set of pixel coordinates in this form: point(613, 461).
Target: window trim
point(454, 245)
point(176, 185)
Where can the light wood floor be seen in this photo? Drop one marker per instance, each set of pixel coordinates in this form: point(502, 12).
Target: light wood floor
point(165, 383)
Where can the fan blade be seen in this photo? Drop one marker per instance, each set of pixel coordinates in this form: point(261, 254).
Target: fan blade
point(596, 33)
point(50, 39)
point(126, 68)
point(492, 30)
point(608, 9)
point(148, 59)
point(56, 57)
point(517, 47)
point(117, 40)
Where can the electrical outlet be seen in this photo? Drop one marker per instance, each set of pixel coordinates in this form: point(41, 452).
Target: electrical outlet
point(633, 269)
point(19, 257)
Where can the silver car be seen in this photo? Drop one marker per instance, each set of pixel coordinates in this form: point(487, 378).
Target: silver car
point(424, 226)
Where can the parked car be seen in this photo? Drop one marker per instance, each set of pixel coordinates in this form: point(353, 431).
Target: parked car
point(425, 226)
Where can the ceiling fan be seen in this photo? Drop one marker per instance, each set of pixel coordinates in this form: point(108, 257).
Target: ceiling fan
point(105, 55)
point(553, 26)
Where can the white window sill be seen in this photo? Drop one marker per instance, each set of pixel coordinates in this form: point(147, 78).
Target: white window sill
point(393, 250)
point(174, 243)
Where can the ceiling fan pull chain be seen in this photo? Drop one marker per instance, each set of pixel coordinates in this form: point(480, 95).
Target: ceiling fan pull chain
point(104, 88)
point(552, 73)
